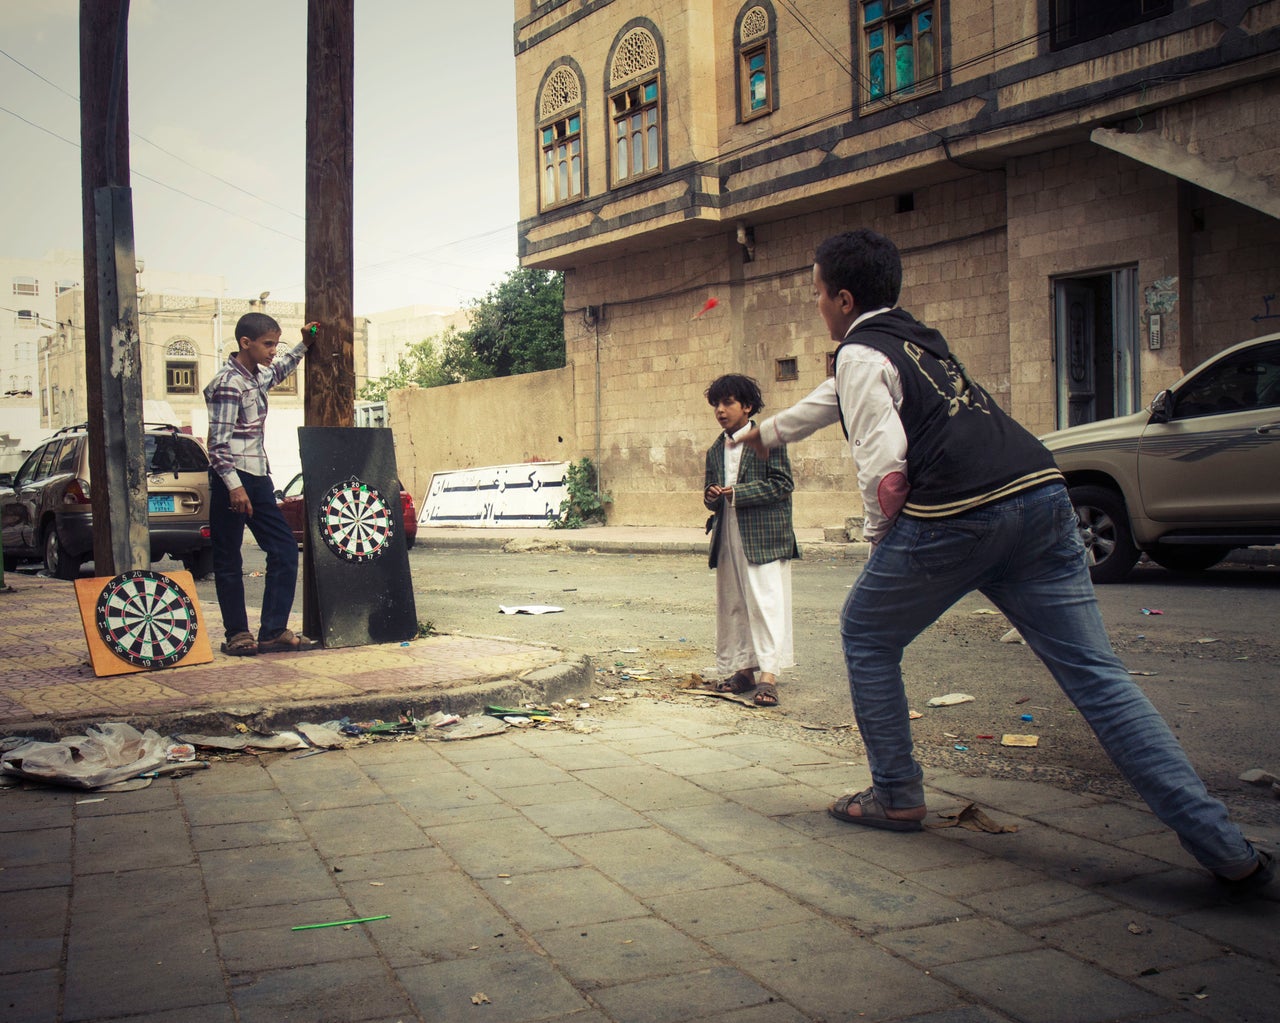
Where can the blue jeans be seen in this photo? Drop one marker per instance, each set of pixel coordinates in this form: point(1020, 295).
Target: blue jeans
point(276, 540)
point(1025, 555)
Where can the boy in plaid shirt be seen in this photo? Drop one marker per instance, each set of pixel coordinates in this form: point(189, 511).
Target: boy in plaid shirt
point(241, 492)
point(752, 545)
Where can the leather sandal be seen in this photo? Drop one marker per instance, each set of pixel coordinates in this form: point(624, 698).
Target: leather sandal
point(242, 644)
point(871, 813)
point(286, 643)
point(738, 682)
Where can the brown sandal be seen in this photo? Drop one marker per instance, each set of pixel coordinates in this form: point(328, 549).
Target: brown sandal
point(766, 695)
point(738, 682)
point(287, 642)
point(242, 644)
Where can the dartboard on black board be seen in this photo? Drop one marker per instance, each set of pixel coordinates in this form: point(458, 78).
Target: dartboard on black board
point(355, 522)
point(146, 618)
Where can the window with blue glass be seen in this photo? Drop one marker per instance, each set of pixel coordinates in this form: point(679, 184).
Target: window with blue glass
point(637, 141)
point(562, 160)
point(900, 48)
point(755, 45)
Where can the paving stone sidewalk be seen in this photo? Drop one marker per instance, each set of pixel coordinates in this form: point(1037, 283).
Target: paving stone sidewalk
point(665, 865)
point(652, 861)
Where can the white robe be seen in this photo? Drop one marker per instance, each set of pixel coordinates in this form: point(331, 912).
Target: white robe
point(753, 602)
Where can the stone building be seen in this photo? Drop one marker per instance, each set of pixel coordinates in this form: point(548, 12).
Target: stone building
point(1084, 191)
point(184, 340)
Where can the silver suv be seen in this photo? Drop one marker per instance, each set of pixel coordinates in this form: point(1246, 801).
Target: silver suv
point(1194, 476)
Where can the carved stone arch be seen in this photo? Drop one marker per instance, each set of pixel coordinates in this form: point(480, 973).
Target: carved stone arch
point(754, 24)
point(181, 348)
point(636, 53)
point(561, 91)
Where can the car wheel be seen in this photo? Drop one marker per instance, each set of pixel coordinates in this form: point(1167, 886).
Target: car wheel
point(10, 562)
point(57, 562)
point(1187, 558)
point(1104, 529)
point(199, 563)
point(409, 541)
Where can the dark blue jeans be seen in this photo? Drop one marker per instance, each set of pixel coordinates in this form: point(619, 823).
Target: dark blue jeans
point(1024, 554)
point(275, 538)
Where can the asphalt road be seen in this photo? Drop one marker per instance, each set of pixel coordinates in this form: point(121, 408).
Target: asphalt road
point(1210, 662)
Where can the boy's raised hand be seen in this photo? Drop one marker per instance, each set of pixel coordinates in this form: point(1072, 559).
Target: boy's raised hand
point(310, 331)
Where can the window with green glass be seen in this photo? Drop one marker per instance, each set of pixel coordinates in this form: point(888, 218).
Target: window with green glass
point(562, 160)
point(636, 137)
point(757, 81)
point(899, 48)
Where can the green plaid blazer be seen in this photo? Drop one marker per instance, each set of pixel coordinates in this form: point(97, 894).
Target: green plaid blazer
point(762, 499)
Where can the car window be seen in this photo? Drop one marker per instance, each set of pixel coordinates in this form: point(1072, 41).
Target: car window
point(28, 470)
point(47, 459)
point(294, 487)
point(1247, 380)
point(69, 459)
point(191, 456)
point(174, 453)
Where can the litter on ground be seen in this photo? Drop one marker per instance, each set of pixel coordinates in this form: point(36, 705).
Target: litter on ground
point(950, 700)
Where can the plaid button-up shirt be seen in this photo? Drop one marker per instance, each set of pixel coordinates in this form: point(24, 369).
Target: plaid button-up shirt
point(237, 403)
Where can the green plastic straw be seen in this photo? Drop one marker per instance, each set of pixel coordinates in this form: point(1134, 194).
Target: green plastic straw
point(341, 923)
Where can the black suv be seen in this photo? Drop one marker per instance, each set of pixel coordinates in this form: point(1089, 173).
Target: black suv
point(46, 514)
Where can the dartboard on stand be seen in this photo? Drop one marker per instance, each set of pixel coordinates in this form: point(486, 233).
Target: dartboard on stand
point(355, 565)
point(355, 522)
point(142, 620)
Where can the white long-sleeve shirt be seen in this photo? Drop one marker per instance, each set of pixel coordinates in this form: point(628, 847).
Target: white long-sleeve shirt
point(869, 391)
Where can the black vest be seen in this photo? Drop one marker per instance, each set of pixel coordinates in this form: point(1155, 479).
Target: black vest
point(963, 450)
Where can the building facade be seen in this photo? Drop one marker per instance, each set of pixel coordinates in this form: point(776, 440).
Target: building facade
point(184, 340)
point(1085, 193)
point(28, 312)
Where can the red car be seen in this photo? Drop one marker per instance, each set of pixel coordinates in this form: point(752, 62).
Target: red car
point(291, 506)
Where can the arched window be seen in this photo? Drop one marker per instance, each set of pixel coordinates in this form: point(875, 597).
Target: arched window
point(26, 286)
point(181, 367)
point(757, 76)
point(560, 136)
point(636, 106)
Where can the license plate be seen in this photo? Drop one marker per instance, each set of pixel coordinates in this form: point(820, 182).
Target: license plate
point(160, 503)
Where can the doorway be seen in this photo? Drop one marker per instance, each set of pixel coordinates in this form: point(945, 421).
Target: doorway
point(1095, 346)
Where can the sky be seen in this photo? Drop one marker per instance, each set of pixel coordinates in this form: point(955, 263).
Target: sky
point(217, 115)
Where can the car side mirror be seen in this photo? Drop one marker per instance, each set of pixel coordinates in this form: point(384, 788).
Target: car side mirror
point(6, 479)
point(1161, 407)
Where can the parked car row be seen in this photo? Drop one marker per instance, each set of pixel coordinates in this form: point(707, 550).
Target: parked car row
point(1190, 478)
point(1187, 480)
point(46, 514)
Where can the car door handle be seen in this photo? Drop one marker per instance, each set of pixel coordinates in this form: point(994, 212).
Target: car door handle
point(1268, 428)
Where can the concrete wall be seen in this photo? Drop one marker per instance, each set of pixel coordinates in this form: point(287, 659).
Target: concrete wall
point(484, 422)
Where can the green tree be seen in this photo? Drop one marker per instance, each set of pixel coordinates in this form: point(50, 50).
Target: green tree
point(518, 327)
point(419, 365)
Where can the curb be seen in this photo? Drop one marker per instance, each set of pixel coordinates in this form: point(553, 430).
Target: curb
point(544, 685)
point(849, 551)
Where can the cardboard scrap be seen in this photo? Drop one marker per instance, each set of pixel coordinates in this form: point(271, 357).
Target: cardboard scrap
point(971, 818)
point(1019, 740)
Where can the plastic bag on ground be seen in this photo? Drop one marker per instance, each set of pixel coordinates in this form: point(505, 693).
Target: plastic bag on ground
point(105, 754)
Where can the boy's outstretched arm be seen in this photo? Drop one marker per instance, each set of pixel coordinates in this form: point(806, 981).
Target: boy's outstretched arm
point(754, 441)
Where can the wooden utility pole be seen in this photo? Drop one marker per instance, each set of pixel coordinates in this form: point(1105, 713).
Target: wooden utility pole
point(117, 460)
point(330, 366)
